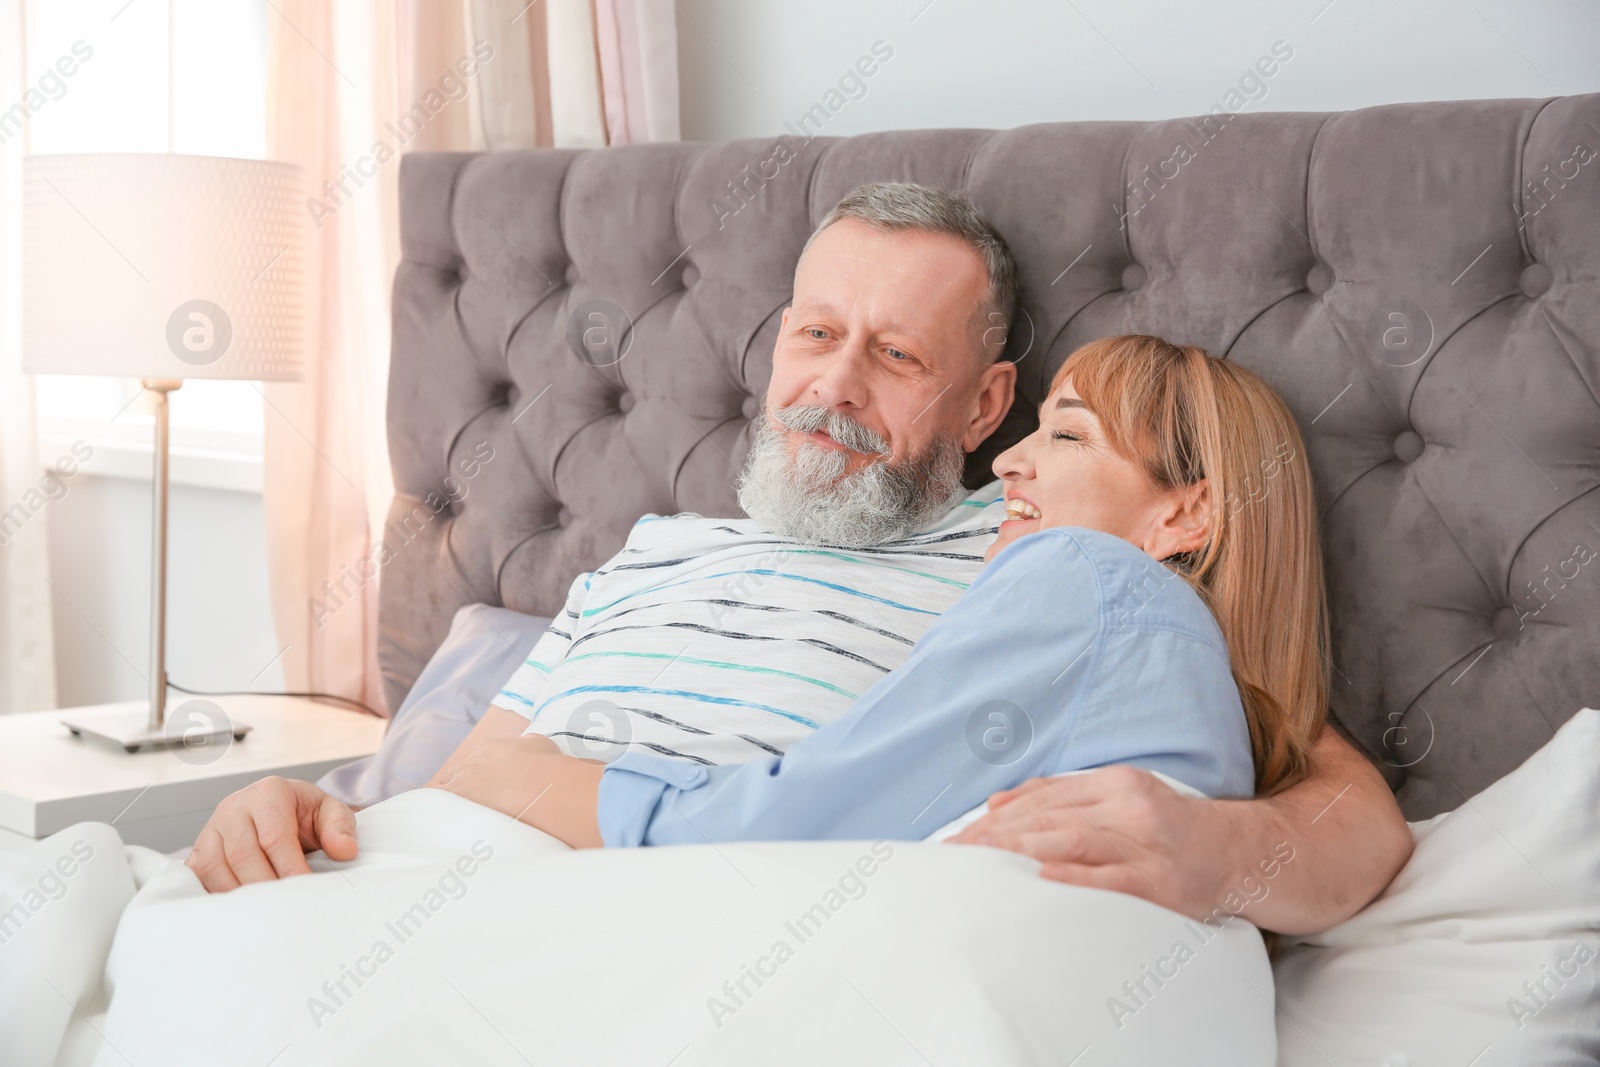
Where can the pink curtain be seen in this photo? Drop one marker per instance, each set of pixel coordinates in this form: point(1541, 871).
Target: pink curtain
point(430, 38)
point(330, 78)
point(27, 647)
point(638, 42)
point(352, 85)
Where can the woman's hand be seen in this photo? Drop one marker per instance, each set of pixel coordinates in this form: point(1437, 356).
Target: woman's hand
point(528, 779)
point(264, 831)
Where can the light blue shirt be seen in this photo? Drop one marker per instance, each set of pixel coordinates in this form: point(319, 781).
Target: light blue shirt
point(1072, 650)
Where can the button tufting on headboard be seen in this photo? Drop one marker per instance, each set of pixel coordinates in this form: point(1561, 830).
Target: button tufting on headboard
point(1408, 447)
point(1536, 281)
point(1370, 264)
point(1319, 279)
point(1506, 622)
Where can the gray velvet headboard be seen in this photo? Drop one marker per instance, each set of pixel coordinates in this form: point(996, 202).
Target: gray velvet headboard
point(1420, 281)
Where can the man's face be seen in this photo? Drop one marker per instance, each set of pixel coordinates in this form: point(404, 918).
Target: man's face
point(880, 386)
point(884, 329)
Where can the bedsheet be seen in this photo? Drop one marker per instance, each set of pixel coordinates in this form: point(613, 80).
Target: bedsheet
point(459, 935)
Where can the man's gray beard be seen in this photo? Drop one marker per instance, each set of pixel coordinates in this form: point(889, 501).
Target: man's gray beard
point(810, 498)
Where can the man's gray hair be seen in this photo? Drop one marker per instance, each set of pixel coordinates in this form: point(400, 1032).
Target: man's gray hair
point(908, 206)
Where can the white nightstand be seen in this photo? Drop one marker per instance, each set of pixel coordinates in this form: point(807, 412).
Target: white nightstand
point(161, 797)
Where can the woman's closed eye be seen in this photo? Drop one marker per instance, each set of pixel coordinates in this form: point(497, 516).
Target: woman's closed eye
point(1064, 435)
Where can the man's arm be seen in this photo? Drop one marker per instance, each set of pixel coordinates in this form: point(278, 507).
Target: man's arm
point(1298, 862)
point(1355, 841)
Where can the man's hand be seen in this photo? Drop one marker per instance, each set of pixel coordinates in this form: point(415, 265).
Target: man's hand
point(1297, 862)
point(264, 831)
point(1117, 828)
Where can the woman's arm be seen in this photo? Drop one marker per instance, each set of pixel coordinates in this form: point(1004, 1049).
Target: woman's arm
point(1298, 862)
point(1045, 666)
point(525, 776)
point(529, 779)
point(497, 724)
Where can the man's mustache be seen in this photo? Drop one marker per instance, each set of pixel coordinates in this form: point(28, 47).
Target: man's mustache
point(809, 418)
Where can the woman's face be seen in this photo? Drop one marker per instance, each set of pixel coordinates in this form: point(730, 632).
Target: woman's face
point(1067, 474)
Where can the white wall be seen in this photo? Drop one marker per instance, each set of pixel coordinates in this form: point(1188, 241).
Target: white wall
point(219, 620)
point(749, 66)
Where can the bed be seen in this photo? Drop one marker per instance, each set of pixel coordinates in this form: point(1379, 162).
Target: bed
point(1420, 282)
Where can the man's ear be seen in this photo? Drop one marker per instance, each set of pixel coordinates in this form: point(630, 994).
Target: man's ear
point(997, 387)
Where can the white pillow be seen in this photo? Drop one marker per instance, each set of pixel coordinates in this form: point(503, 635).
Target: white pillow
point(484, 646)
point(1485, 950)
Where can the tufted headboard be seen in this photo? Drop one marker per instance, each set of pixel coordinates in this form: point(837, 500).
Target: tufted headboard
point(1420, 281)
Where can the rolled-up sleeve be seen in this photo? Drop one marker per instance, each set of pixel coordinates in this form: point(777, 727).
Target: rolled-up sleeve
point(631, 791)
point(1040, 669)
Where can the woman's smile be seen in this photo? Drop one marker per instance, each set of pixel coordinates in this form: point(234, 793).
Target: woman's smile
point(1019, 509)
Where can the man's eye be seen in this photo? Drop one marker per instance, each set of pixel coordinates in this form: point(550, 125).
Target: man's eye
point(896, 355)
point(818, 333)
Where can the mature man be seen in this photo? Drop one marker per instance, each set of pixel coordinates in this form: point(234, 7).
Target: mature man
point(716, 640)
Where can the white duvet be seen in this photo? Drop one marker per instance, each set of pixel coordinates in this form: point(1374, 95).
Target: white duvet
point(460, 936)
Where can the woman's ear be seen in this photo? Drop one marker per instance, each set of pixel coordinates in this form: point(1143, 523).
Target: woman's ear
point(1184, 523)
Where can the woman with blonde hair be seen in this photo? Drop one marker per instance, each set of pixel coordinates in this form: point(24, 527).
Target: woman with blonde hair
point(1186, 419)
point(1154, 598)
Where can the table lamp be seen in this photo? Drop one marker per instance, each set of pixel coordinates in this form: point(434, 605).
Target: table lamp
point(162, 267)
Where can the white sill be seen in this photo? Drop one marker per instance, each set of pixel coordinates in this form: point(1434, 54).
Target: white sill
point(210, 459)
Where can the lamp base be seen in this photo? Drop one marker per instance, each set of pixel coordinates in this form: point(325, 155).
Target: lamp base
point(132, 730)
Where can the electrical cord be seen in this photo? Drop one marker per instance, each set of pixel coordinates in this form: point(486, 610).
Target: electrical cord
point(271, 693)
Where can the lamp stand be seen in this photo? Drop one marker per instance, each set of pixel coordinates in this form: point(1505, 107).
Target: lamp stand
point(135, 729)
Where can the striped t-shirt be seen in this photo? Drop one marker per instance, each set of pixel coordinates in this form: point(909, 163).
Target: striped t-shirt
point(716, 641)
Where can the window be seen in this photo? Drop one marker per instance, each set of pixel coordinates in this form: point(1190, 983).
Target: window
point(118, 100)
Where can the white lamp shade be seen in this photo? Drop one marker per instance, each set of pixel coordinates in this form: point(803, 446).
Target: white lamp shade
point(163, 266)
